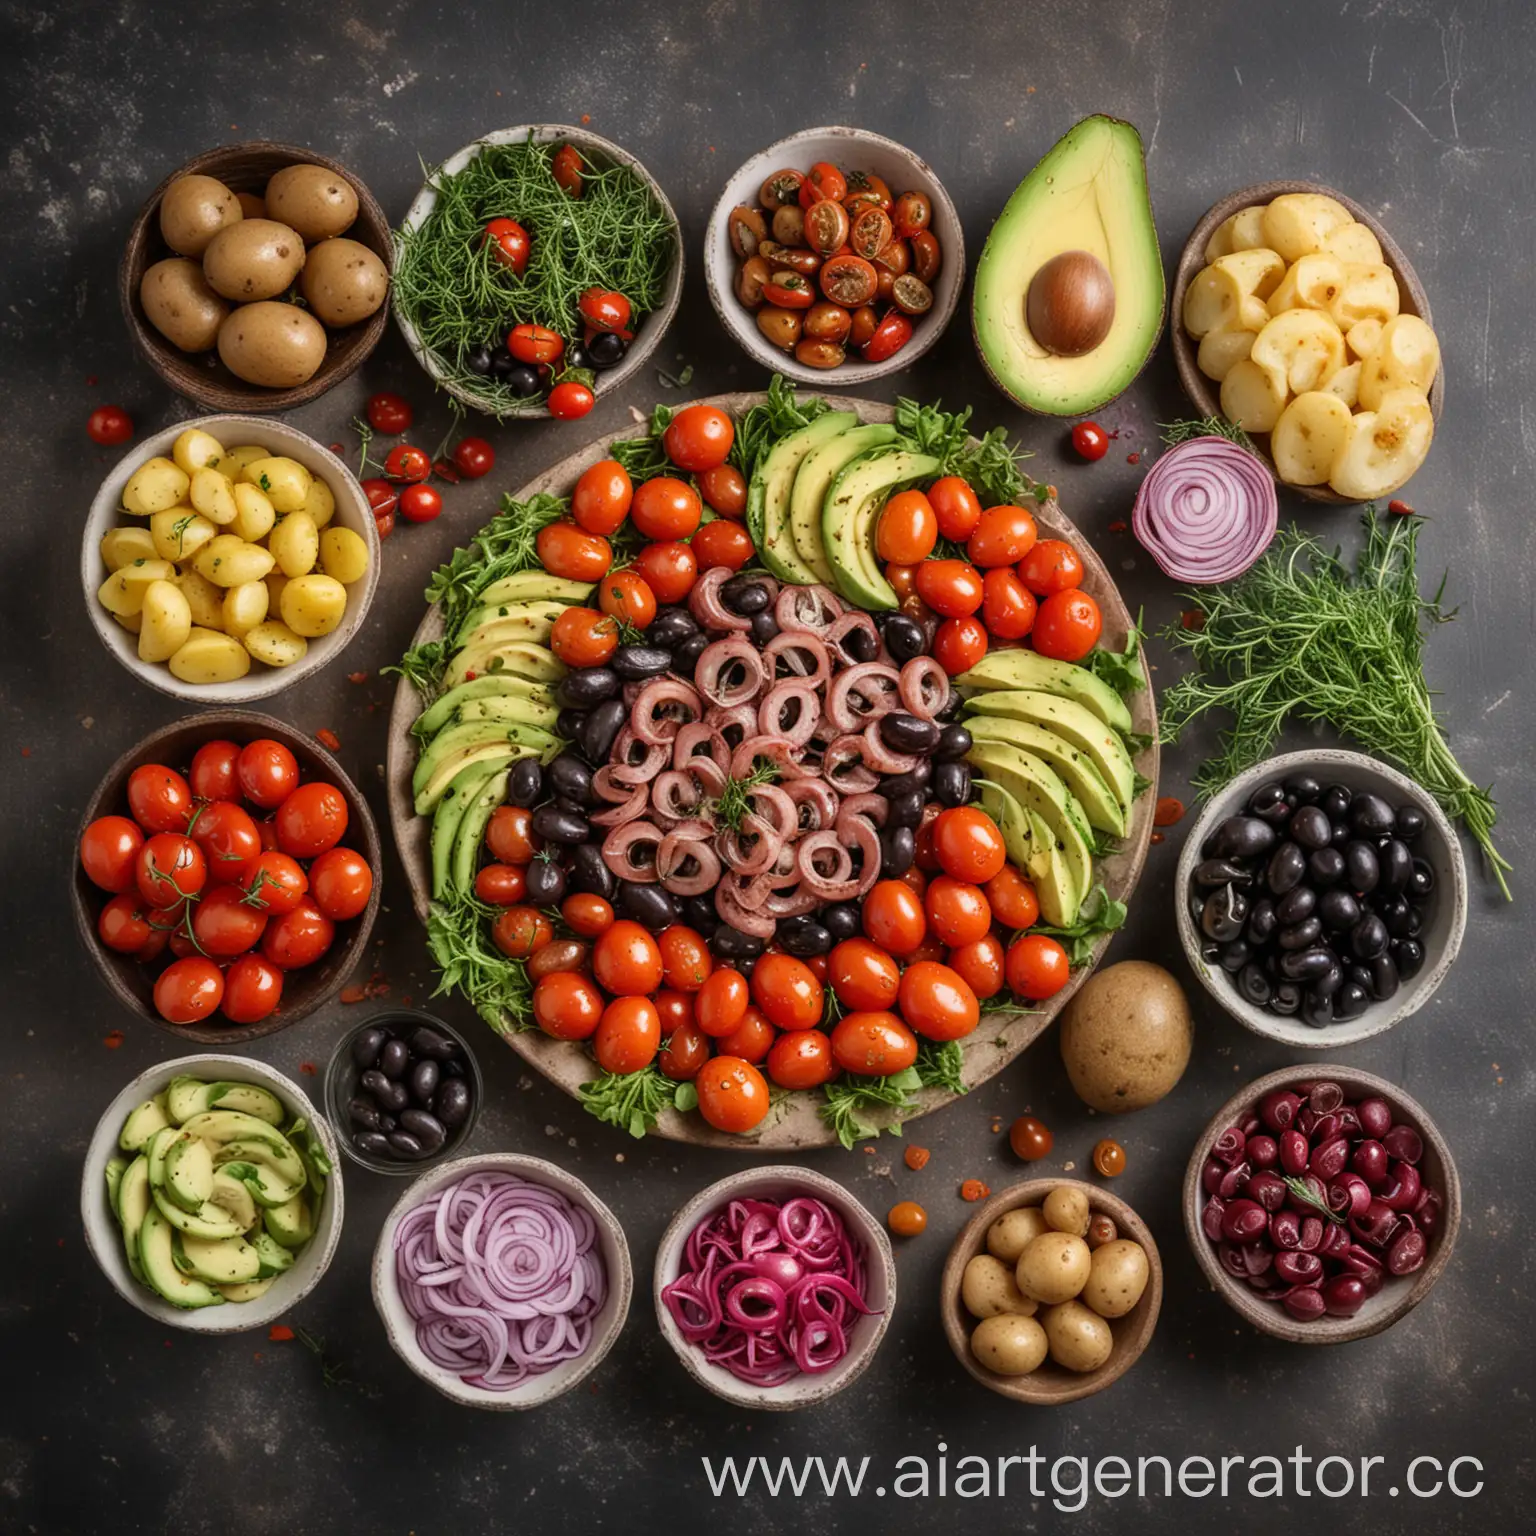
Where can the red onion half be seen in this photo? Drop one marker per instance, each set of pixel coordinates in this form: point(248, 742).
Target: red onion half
point(1206, 511)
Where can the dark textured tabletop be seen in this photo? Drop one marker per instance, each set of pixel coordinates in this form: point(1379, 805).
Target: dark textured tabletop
point(1421, 111)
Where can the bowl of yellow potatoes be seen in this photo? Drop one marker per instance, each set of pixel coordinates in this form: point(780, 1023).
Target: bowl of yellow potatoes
point(226, 558)
point(1298, 318)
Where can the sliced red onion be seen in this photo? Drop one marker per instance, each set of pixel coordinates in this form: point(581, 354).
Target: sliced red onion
point(687, 864)
point(837, 636)
point(871, 684)
point(632, 809)
point(1206, 511)
point(790, 709)
point(811, 608)
point(662, 707)
point(730, 910)
point(700, 740)
point(815, 802)
point(629, 769)
point(621, 846)
point(776, 750)
point(842, 765)
point(803, 656)
point(924, 687)
point(729, 672)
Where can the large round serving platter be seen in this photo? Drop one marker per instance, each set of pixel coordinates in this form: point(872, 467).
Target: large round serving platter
point(794, 1124)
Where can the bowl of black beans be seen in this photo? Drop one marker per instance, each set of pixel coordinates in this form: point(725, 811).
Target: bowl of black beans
point(402, 1090)
point(1322, 898)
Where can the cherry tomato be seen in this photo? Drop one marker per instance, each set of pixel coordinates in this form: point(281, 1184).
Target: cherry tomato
point(298, 938)
point(908, 528)
point(253, 987)
point(604, 310)
point(342, 883)
point(268, 772)
point(213, 774)
point(568, 551)
point(385, 523)
point(959, 644)
point(722, 543)
point(567, 1005)
point(277, 884)
point(382, 497)
point(509, 244)
point(950, 587)
point(684, 1050)
point(907, 1219)
point(624, 596)
point(787, 991)
point(566, 168)
point(936, 1001)
point(927, 860)
point(823, 181)
point(750, 1040)
point(1068, 625)
point(732, 1094)
point(1037, 967)
point(721, 1003)
point(863, 975)
point(870, 231)
point(1031, 1139)
point(893, 917)
point(154, 946)
point(627, 961)
point(781, 189)
point(686, 962)
point(958, 912)
point(225, 924)
point(1108, 1158)
point(1051, 566)
point(109, 425)
point(956, 506)
point(473, 457)
point(891, 335)
point(509, 835)
point(725, 489)
point(501, 885)
point(980, 965)
point(170, 868)
point(519, 931)
point(266, 830)
point(874, 1044)
point(583, 637)
point(159, 799)
point(229, 839)
point(1013, 900)
point(123, 925)
point(849, 281)
point(628, 1035)
point(570, 400)
point(389, 413)
point(927, 255)
point(674, 1008)
point(903, 580)
point(912, 212)
point(968, 844)
point(313, 818)
point(600, 502)
point(421, 503)
point(665, 508)
point(669, 568)
point(406, 464)
point(826, 227)
point(863, 325)
point(699, 437)
point(1004, 536)
point(586, 914)
point(1007, 605)
point(530, 343)
point(802, 1059)
point(109, 852)
point(189, 990)
point(1090, 440)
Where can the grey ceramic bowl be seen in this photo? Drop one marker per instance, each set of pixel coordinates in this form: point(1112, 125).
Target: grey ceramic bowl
point(1446, 912)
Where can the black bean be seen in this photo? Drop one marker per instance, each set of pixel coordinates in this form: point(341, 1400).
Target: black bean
point(1370, 815)
point(1286, 999)
point(951, 784)
point(453, 1068)
point(426, 1128)
point(1335, 801)
point(1296, 906)
point(570, 779)
point(1396, 865)
point(745, 595)
point(1262, 921)
point(373, 1143)
point(601, 729)
point(843, 921)
point(1325, 866)
point(635, 663)
point(1305, 787)
point(394, 1059)
point(1356, 972)
point(1235, 955)
point(1410, 822)
point(522, 379)
point(1317, 1011)
point(363, 1112)
point(504, 365)
point(904, 638)
point(954, 742)
point(1362, 869)
point(1310, 828)
point(553, 825)
point(387, 1095)
point(426, 1041)
point(906, 810)
point(1422, 881)
point(1415, 921)
point(649, 905)
point(407, 1145)
point(1369, 937)
point(582, 687)
point(1338, 910)
point(1287, 866)
point(478, 359)
point(387, 1122)
point(423, 1081)
point(589, 872)
point(452, 1103)
point(1265, 798)
point(1350, 1002)
point(1340, 834)
point(1383, 983)
point(545, 883)
point(898, 850)
point(1244, 837)
point(1306, 964)
point(366, 1047)
point(1330, 981)
point(604, 350)
point(525, 783)
point(1301, 935)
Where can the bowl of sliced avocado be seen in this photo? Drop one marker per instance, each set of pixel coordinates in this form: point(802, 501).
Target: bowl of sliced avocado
point(211, 1194)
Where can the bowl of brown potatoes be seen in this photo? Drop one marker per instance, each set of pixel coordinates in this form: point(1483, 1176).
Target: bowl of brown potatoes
point(255, 277)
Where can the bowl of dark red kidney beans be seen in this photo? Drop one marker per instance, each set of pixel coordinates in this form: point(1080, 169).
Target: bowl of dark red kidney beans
point(1322, 1205)
point(1322, 898)
point(402, 1091)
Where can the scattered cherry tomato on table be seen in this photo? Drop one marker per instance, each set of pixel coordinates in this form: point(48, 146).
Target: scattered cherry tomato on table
point(407, 464)
point(570, 400)
point(421, 503)
point(1031, 1139)
point(389, 413)
point(1090, 440)
point(509, 244)
point(1109, 1158)
point(907, 1219)
point(109, 425)
point(474, 458)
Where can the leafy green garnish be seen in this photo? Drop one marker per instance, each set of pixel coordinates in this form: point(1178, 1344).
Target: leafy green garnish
point(1120, 669)
point(850, 1099)
point(736, 795)
point(499, 988)
point(940, 1065)
point(632, 1100)
point(1097, 915)
point(990, 465)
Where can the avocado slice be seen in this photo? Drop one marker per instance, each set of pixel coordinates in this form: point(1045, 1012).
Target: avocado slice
point(291, 1224)
point(221, 1125)
point(1076, 768)
point(1088, 194)
point(818, 469)
point(1073, 723)
point(455, 801)
point(211, 1221)
point(477, 741)
point(133, 1201)
point(519, 658)
point(465, 851)
point(848, 515)
point(500, 684)
point(1011, 818)
point(219, 1261)
point(158, 1260)
point(113, 1172)
point(768, 496)
point(512, 707)
point(248, 1098)
point(273, 1256)
point(229, 1194)
point(535, 586)
point(142, 1123)
point(189, 1172)
point(249, 1291)
point(1018, 668)
point(498, 618)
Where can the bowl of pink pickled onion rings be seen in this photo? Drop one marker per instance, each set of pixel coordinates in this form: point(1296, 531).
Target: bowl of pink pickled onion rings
point(501, 1280)
point(775, 1287)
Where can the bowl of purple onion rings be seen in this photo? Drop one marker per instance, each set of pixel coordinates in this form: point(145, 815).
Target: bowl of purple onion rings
point(1322, 1203)
point(502, 1280)
point(774, 1287)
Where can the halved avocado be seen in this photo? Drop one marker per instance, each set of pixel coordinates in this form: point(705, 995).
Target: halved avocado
point(511, 706)
point(493, 619)
point(1089, 194)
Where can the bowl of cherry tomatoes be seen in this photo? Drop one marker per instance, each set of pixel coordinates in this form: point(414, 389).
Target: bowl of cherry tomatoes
point(835, 252)
point(226, 878)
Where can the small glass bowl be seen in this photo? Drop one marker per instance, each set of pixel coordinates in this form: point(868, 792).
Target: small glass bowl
point(341, 1085)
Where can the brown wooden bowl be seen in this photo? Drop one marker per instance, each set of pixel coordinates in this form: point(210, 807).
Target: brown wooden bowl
point(1397, 1297)
point(1206, 393)
point(1052, 1383)
point(304, 990)
point(200, 376)
point(793, 1124)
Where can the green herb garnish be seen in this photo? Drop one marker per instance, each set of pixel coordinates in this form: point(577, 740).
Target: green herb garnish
point(736, 795)
point(632, 1100)
point(1303, 1194)
point(1096, 916)
point(1176, 432)
point(458, 935)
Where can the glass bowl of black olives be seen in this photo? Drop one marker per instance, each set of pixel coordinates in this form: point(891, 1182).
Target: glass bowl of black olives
point(1322, 898)
point(402, 1091)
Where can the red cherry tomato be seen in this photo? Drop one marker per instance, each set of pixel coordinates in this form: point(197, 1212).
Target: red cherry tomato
point(1012, 899)
point(968, 844)
point(278, 883)
point(1090, 440)
point(669, 568)
point(787, 991)
point(893, 917)
point(732, 1094)
point(421, 504)
point(1037, 967)
point(383, 498)
point(474, 458)
point(1051, 566)
point(568, 551)
point(980, 965)
point(1004, 536)
point(500, 885)
point(956, 506)
point(170, 868)
point(684, 1050)
point(1068, 625)
point(159, 799)
point(666, 508)
point(530, 343)
point(299, 937)
point(230, 841)
point(725, 489)
point(341, 882)
point(586, 914)
point(600, 502)
point(509, 835)
point(213, 774)
point(509, 243)
point(823, 180)
point(891, 335)
point(253, 987)
point(123, 925)
point(802, 1059)
point(583, 637)
point(627, 961)
point(686, 962)
point(674, 1008)
point(722, 542)
point(958, 912)
point(391, 414)
point(189, 990)
point(268, 772)
point(519, 931)
point(109, 425)
point(567, 1005)
point(874, 1044)
point(570, 400)
point(936, 1002)
point(721, 1003)
point(566, 168)
point(959, 644)
point(626, 597)
point(224, 924)
point(628, 1035)
point(312, 819)
point(699, 437)
point(750, 1040)
point(1007, 605)
point(949, 587)
point(908, 528)
point(109, 852)
point(863, 975)
point(604, 310)
point(406, 464)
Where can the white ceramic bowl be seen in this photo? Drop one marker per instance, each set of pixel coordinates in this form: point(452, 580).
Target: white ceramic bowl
point(782, 1183)
point(104, 1237)
point(654, 325)
point(401, 1327)
point(261, 682)
point(848, 149)
point(1445, 914)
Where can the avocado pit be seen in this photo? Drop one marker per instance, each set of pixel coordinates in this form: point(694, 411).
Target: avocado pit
point(1070, 304)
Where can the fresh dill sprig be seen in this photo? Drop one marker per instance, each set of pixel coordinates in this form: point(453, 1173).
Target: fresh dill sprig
point(1176, 432)
point(499, 988)
point(735, 798)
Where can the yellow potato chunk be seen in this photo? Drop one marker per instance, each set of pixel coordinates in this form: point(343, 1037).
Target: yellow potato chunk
point(1353, 243)
point(179, 533)
point(205, 599)
point(275, 644)
point(244, 607)
point(313, 605)
point(1314, 282)
point(154, 486)
point(122, 546)
point(132, 622)
point(344, 554)
point(1369, 292)
point(1297, 223)
point(320, 503)
point(254, 514)
point(295, 544)
point(1384, 447)
point(122, 593)
point(1220, 243)
point(1253, 397)
point(1303, 346)
point(284, 481)
point(1407, 357)
point(275, 582)
point(166, 621)
point(211, 495)
point(196, 449)
point(1346, 384)
point(1220, 349)
point(1257, 272)
point(1247, 232)
point(1364, 337)
point(209, 657)
point(228, 560)
point(235, 459)
point(1216, 298)
point(1309, 437)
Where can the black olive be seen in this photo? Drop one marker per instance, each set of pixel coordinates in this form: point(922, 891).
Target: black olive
point(366, 1047)
point(605, 349)
point(1243, 837)
point(523, 380)
point(898, 849)
point(861, 644)
point(1277, 815)
point(686, 657)
point(525, 783)
point(1310, 828)
point(1370, 815)
point(426, 1041)
point(1221, 872)
point(1410, 822)
point(394, 1059)
point(1305, 787)
point(1325, 866)
point(363, 1112)
point(914, 781)
point(1306, 964)
point(407, 1145)
point(452, 1103)
point(504, 365)
point(1224, 913)
point(1408, 956)
point(1234, 955)
point(1317, 1011)
point(1383, 978)
point(387, 1095)
point(423, 1081)
point(1266, 797)
point(812, 939)
point(635, 663)
point(951, 784)
point(1286, 999)
point(569, 723)
point(553, 825)
point(745, 595)
point(1296, 906)
point(902, 732)
point(1338, 910)
point(601, 730)
point(952, 706)
point(426, 1128)
point(570, 779)
point(1421, 882)
point(1350, 1002)
point(906, 810)
point(1330, 981)
point(478, 359)
point(453, 1068)
point(1302, 935)
point(1287, 866)
point(732, 944)
point(1340, 834)
point(545, 882)
point(1415, 921)
point(700, 915)
point(582, 687)
point(1362, 869)
point(1369, 937)
point(786, 927)
point(1254, 984)
point(954, 742)
point(1394, 911)
point(589, 873)
point(371, 1142)
point(842, 921)
point(649, 905)
point(671, 627)
point(1261, 921)
point(764, 626)
point(576, 357)
point(388, 1123)
point(1396, 865)
point(904, 638)
point(1335, 801)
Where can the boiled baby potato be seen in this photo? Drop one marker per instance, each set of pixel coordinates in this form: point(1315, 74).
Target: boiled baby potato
point(122, 593)
point(1010, 1344)
point(319, 502)
point(988, 1289)
point(1303, 346)
point(1296, 223)
point(1054, 1267)
point(313, 605)
point(344, 282)
point(1309, 437)
point(1014, 1231)
point(1220, 243)
point(205, 599)
point(166, 621)
point(179, 533)
point(1407, 356)
point(132, 622)
point(195, 449)
point(283, 481)
point(209, 657)
point(1364, 336)
point(1384, 447)
point(1369, 292)
point(181, 305)
point(1220, 349)
point(1353, 242)
point(1066, 1210)
point(1314, 282)
point(295, 544)
point(1346, 384)
point(1216, 297)
point(316, 202)
point(254, 259)
point(229, 560)
point(1116, 1278)
point(122, 546)
point(343, 554)
point(210, 493)
point(1247, 231)
point(1078, 1337)
point(275, 644)
point(235, 459)
point(193, 210)
point(154, 486)
point(254, 513)
point(1253, 397)
point(244, 607)
point(1257, 272)
point(277, 345)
